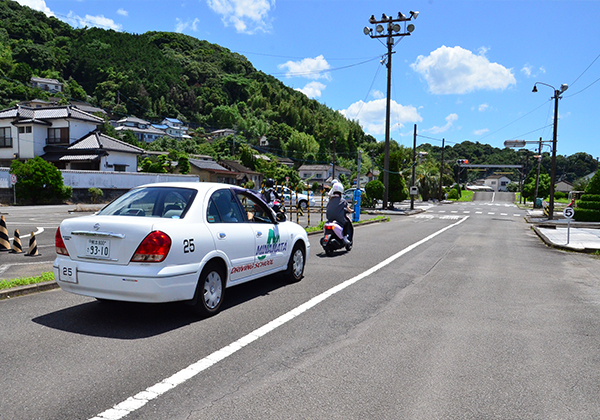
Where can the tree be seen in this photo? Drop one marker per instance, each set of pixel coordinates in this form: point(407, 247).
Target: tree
point(39, 181)
point(588, 206)
point(374, 190)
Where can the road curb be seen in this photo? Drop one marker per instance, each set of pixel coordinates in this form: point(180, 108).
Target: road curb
point(28, 289)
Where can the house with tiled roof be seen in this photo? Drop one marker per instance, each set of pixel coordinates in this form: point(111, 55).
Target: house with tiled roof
point(323, 174)
point(210, 171)
point(143, 130)
point(244, 174)
point(95, 152)
point(49, 85)
point(25, 131)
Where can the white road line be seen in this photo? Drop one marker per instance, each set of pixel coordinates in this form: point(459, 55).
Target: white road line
point(136, 402)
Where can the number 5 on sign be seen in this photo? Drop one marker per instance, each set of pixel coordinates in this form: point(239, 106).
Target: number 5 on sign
point(568, 212)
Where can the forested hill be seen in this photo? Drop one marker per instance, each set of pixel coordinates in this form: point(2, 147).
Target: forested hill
point(162, 74)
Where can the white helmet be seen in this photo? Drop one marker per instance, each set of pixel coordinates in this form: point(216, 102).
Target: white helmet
point(336, 187)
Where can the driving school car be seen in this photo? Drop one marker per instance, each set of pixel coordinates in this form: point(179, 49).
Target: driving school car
point(183, 241)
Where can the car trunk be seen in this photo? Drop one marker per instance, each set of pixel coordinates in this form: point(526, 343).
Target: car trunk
point(110, 239)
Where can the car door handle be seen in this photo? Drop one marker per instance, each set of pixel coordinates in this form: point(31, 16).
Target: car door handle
point(222, 235)
point(258, 234)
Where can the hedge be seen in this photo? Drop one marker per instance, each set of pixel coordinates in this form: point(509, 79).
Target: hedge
point(592, 205)
point(589, 197)
point(586, 215)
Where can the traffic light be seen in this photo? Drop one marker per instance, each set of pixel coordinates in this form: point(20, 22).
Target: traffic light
point(462, 161)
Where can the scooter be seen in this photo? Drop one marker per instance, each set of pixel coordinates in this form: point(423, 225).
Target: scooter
point(333, 238)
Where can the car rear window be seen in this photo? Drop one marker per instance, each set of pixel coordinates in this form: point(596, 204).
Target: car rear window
point(165, 202)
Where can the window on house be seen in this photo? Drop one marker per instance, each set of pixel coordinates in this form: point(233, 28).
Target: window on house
point(318, 175)
point(5, 138)
point(58, 135)
point(23, 130)
point(120, 168)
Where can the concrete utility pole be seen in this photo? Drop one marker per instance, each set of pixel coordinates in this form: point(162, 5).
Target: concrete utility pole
point(393, 30)
point(414, 168)
point(556, 97)
point(441, 172)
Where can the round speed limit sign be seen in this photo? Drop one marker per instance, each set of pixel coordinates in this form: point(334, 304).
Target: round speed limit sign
point(568, 212)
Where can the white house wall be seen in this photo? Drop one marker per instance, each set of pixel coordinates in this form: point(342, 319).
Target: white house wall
point(119, 180)
point(117, 158)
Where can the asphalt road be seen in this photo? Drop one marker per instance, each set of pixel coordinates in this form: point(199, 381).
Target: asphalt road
point(457, 313)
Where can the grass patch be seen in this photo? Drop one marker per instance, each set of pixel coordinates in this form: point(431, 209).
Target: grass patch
point(465, 195)
point(319, 227)
point(7, 284)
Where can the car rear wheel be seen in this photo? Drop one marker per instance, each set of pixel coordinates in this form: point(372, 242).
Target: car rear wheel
point(303, 205)
point(210, 290)
point(295, 269)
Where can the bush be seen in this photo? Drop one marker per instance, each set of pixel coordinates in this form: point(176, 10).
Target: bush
point(95, 194)
point(453, 194)
point(586, 215)
point(592, 205)
point(588, 206)
point(559, 195)
point(590, 197)
point(39, 182)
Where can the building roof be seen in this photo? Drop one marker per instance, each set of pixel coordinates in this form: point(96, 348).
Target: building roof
point(96, 140)
point(237, 166)
point(43, 80)
point(43, 115)
point(210, 166)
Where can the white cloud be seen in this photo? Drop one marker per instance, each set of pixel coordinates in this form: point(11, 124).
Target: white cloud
point(528, 71)
point(313, 89)
point(450, 119)
point(247, 16)
point(481, 132)
point(122, 12)
point(371, 115)
point(181, 26)
point(311, 68)
point(483, 107)
point(39, 5)
point(458, 71)
point(89, 21)
point(377, 94)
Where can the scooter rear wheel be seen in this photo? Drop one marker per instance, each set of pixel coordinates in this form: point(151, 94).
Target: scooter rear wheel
point(329, 252)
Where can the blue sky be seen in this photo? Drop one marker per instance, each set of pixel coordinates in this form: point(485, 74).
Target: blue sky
point(465, 73)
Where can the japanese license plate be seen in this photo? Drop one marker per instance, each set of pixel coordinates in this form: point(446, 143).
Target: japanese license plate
point(98, 248)
point(67, 271)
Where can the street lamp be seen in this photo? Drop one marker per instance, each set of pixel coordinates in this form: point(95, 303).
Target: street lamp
point(556, 97)
point(394, 29)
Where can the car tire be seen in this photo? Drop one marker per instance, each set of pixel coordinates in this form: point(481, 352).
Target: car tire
point(295, 268)
point(210, 291)
point(303, 205)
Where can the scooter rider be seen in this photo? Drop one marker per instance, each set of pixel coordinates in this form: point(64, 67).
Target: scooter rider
point(269, 193)
point(337, 208)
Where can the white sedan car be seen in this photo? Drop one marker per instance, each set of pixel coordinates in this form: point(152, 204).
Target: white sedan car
point(168, 242)
point(293, 198)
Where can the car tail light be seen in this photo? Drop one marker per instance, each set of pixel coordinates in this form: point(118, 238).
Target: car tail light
point(59, 244)
point(154, 248)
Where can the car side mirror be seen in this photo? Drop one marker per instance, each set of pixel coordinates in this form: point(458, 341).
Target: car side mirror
point(280, 217)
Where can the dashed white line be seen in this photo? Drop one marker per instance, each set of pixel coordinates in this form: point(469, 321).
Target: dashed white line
point(136, 402)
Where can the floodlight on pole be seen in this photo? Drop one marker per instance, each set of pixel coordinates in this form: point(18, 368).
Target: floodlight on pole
point(394, 29)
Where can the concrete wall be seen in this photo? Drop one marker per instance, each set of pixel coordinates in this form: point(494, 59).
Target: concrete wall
point(112, 184)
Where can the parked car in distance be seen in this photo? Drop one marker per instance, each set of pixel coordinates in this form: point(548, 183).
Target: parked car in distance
point(177, 241)
point(296, 199)
point(349, 194)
